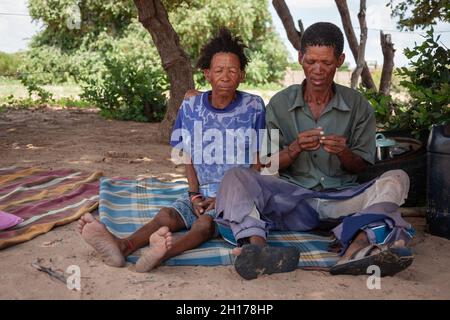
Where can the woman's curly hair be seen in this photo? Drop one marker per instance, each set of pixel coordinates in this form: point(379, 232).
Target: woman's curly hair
point(224, 41)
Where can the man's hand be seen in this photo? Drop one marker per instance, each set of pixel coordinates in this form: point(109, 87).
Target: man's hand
point(333, 143)
point(202, 205)
point(309, 140)
point(337, 145)
point(306, 140)
point(191, 93)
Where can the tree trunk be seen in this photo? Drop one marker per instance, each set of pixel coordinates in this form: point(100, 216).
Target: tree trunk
point(366, 77)
point(175, 61)
point(388, 63)
point(362, 45)
point(283, 12)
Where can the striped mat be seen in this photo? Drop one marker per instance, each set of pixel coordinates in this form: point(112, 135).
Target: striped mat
point(44, 199)
point(126, 205)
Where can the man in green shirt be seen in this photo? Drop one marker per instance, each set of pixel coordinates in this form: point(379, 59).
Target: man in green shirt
point(345, 125)
point(326, 137)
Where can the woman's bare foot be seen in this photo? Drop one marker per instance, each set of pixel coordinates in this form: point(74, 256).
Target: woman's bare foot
point(160, 243)
point(96, 235)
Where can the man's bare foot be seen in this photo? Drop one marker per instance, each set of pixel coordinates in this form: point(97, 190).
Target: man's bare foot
point(96, 235)
point(160, 243)
point(360, 241)
point(399, 244)
point(260, 241)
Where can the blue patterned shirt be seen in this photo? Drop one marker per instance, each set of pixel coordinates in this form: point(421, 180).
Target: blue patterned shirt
point(219, 139)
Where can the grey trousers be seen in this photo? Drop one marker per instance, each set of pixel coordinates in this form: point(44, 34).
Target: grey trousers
point(252, 204)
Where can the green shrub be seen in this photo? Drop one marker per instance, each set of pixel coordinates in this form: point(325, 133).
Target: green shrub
point(47, 65)
point(196, 21)
point(124, 77)
point(34, 88)
point(9, 64)
point(389, 113)
point(428, 84)
point(257, 70)
point(113, 59)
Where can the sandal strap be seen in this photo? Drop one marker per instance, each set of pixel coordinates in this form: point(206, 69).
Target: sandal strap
point(365, 252)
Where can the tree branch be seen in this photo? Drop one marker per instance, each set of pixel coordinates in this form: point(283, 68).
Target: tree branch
point(175, 61)
point(283, 12)
point(388, 63)
point(362, 44)
point(366, 77)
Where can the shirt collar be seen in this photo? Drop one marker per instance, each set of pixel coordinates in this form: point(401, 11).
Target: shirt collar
point(228, 108)
point(336, 102)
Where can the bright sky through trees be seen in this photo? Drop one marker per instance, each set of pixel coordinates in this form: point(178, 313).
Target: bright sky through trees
point(16, 27)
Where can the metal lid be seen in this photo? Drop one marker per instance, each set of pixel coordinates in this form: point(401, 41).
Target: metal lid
point(383, 142)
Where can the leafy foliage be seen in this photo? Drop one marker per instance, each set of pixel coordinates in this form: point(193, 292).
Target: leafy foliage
point(196, 21)
point(111, 16)
point(128, 82)
point(9, 63)
point(382, 105)
point(115, 61)
point(34, 88)
point(423, 13)
point(427, 81)
point(47, 65)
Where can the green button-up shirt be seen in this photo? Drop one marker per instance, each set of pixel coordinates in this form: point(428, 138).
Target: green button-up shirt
point(348, 114)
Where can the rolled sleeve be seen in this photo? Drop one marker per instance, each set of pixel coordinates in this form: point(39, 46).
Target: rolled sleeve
point(363, 137)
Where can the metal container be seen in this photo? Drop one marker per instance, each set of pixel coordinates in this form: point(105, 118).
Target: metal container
point(384, 147)
point(438, 181)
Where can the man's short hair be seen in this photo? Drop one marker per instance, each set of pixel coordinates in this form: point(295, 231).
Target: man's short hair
point(323, 34)
point(224, 41)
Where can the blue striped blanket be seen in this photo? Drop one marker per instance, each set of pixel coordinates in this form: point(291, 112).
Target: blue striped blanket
point(126, 205)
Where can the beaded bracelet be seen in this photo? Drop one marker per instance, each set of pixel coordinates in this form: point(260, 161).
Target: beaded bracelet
point(129, 245)
point(196, 197)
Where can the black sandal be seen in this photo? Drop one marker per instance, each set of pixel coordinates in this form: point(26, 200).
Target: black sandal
point(256, 260)
point(390, 260)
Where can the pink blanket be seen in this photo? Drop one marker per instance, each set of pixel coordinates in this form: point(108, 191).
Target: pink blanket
point(8, 220)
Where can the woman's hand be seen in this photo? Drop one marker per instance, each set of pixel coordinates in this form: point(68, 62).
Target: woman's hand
point(202, 205)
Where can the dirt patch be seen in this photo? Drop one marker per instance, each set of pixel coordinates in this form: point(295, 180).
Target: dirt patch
point(80, 139)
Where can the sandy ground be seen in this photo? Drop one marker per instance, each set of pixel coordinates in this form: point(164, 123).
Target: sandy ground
point(81, 139)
